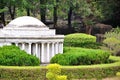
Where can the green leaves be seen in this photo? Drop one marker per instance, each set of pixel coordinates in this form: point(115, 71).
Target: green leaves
point(81, 56)
point(112, 41)
point(13, 56)
point(3, 10)
point(54, 71)
point(80, 40)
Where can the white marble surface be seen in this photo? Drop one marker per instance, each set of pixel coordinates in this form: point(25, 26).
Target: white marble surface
point(26, 21)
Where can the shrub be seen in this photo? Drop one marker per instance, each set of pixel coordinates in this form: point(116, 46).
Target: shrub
point(113, 45)
point(118, 74)
point(114, 33)
point(80, 40)
point(112, 41)
point(54, 72)
point(13, 56)
point(73, 72)
point(81, 56)
point(54, 68)
point(62, 77)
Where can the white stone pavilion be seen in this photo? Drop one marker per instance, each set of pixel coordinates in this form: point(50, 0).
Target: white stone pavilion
point(31, 35)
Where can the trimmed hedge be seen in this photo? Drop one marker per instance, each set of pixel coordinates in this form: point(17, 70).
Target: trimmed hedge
point(81, 56)
point(80, 40)
point(13, 56)
point(72, 72)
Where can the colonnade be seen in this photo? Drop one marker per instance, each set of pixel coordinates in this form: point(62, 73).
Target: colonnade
point(43, 50)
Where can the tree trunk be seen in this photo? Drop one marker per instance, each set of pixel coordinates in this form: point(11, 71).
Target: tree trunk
point(12, 11)
point(88, 29)
point(69, 18)
point(2, 18)
point(55, 14)
point(28, 12)
point(43, 10)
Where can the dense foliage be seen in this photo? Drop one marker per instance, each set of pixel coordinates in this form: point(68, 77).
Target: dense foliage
point(54, 71)
point(13, 56)
point(54, 9)
point(72, 72)
point(112, 41)
point(118, 74)
point(80, 40)
point(80, 56)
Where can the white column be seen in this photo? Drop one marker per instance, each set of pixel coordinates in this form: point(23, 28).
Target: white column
point(23, 46)
point(29, 50)
point(16, 44)
point(48, 52)
point(36, 50)
point(61, 47)
point(53, 49)
point(42, 52)
point(56, 48)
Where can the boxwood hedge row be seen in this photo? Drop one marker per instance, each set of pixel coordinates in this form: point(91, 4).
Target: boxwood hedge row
point(13, 56)
point(81, 56)
point(80, 40)
point(72, 72)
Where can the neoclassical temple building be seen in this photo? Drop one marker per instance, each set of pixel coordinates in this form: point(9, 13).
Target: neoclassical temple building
point(31, 35)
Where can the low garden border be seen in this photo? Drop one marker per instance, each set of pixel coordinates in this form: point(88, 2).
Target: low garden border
point(76, 72)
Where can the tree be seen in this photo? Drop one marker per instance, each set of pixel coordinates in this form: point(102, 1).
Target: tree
point(29, 6)
point(11, 4)
point(55, 12)
point(43, 10)
point(69, 7)
point(2, 10)
point(70, 14)
point(14, 5)
point(26, 5)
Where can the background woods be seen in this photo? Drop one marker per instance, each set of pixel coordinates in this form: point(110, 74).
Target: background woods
point(71, 14)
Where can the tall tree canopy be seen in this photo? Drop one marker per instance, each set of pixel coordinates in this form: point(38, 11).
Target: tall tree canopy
point(100, 10)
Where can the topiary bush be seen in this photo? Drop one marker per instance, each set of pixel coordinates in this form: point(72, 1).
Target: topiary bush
point(81, 56)
point(80, 40)
point(13, 56)
point(54, 71)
